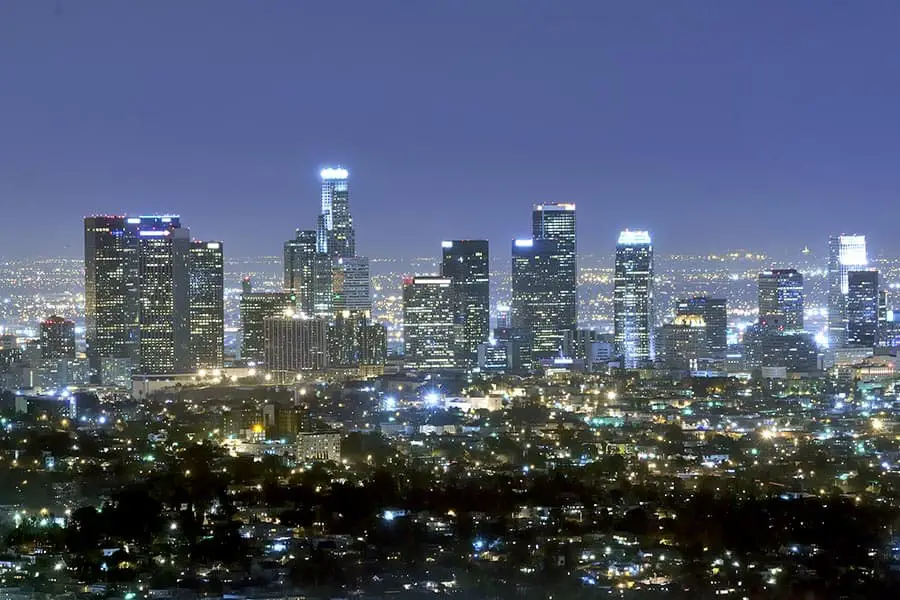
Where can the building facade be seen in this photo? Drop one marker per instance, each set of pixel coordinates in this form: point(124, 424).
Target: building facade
point(781, 299)
point(862, 308)
point(714, 312)
point(57, 338)
point(633, 299)
point(207, 305)
point(429, 333)
point(299, 268)
point(293, 343)
point(845, 253)
point(539, 309)
point(164, 294)
point(556, 221)
point(254, 308)
point(467, 264)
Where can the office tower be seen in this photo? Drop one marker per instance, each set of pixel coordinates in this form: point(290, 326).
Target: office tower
point(254, 308)
point(350, 284)
point(683, 343)
point(862, 308)
point(493, 356)
point(466, 264)
point(111, 296)
point(792, 350)
point(429, 335)
point(292, 343)
point(246, 284)
point(164, 296)
point(336, 237)
point(883, 306)
point(207, 310)
point(781, 299)
point(845, 253)
point(57, 338)
point(373, 346)
point(556, 221)
point(354, 341)
point(504, 316)
point(714, 313)
point(539, 309)
point(323, 291)
point(633, 299)
point(299, 268)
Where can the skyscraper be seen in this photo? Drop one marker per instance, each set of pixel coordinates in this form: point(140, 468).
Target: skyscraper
point(299, 268)
point(466, 263)
point(556, 221)
point(336, 235)
point(207, 310)
point(354, 341)
point(781, 300)
point(845, 253)
point(57, 338)
point(539, 309)
point(714, 313)
point(111, 295)
point(254, 308)
point(429, 336)
point(633, 299)
point(684, 344)
point(862, 308)
point(350, 284)
point(293, 342)
point(164, 296)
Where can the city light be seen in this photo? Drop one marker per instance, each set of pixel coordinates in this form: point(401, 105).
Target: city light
point(334, 173)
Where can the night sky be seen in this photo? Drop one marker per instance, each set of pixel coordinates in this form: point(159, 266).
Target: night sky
point(716, 125)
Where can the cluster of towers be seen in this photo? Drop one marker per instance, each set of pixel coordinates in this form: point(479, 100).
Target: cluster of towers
point(154, 304)
point(322, 318)
point(153, 298)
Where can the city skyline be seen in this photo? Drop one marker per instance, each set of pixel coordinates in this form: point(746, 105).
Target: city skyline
point(699, 119)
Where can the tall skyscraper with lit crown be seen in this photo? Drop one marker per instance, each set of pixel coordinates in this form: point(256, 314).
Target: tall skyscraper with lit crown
point(845, 253)
point(336, 235)
point(633, 299)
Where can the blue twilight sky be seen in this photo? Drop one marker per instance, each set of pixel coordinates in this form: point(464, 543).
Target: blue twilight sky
point(717, 125)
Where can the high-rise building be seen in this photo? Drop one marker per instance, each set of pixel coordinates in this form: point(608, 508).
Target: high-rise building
point(299, 268)
point(633, 299)
point(466, 263)
point(714, 313)
point(845, 253)
point(539, 310)
point(164, 296)
point(556, 221)
point(862, 308)
point(254, 308)
point(293, 343)
point(684, 343)
point(111, 295)
point(354, 341)
point(429, 334)
point(57, 338)
point(323, 290)
point(336, 235)
point(781, 300)
point(207, 309)
point(350, 284)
